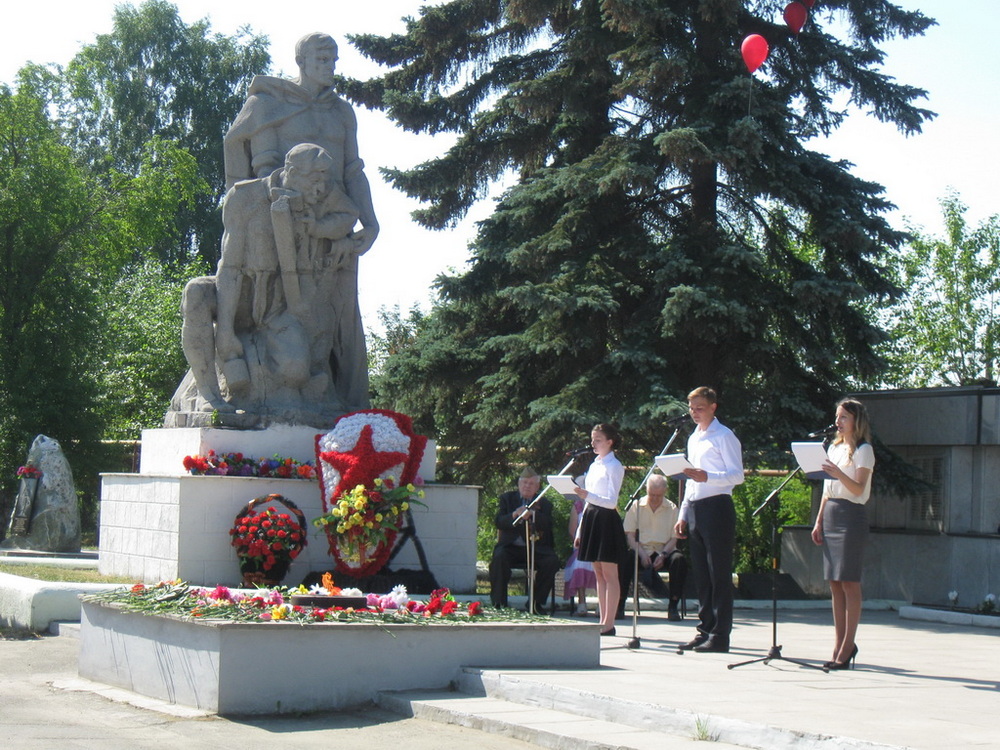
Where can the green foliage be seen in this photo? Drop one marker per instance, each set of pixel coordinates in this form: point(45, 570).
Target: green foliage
point(65, 238)
point(143, 357)
point(753, 533)
point(396, 334)
point(668, 226)
point(155, 76)
point(946, 330)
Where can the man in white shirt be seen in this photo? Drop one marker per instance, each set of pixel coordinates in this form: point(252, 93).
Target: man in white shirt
point(653, 518)
point(708, 519)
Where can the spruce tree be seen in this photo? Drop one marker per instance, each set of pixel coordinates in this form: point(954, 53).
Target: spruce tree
point(667, 224)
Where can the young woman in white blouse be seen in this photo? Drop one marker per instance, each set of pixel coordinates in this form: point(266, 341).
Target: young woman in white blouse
point(842, 524)
point(600, 537)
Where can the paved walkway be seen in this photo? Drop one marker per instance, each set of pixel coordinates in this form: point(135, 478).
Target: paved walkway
point(917, 684)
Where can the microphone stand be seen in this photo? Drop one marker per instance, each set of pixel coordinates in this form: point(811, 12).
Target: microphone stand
point(771, 502)
point(634, 642)
point(529, 540)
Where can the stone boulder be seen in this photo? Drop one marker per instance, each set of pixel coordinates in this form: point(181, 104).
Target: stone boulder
point(55, 516)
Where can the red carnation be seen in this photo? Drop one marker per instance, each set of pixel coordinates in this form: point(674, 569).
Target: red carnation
point(474, 609)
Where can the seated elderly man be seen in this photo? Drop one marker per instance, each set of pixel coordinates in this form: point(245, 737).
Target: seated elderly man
point(511, 550)
point(654, 517)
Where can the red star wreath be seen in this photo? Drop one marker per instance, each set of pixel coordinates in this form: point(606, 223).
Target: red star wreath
point(363, 447)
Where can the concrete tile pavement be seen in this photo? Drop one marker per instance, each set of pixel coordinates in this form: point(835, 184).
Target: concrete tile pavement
point(917, 684)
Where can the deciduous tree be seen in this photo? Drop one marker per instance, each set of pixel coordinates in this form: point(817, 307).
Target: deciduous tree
point(65, 237)
point(154, 75)
point(946, 329)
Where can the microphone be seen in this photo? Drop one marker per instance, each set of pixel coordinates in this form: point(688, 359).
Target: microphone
point(828, 430)
point(579, 452)
point(679, 419)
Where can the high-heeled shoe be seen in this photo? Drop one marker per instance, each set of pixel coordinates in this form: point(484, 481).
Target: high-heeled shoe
point(610, 631)
point(847, 663)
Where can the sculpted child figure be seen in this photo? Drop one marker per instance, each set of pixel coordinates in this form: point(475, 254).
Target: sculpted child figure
point(277, 332)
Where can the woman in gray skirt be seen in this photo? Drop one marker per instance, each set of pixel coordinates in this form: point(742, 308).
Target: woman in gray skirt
point(842, 524)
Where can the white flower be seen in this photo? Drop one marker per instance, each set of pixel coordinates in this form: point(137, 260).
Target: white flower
point(953, 596)
point(399, 595)
point(351, 592)
point(318, 590)
point(991, 598)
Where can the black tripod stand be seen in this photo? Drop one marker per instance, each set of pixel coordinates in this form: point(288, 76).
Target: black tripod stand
point(771, 502)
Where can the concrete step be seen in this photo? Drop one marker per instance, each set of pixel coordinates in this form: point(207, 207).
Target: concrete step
point(543, 727)
point(583, 718)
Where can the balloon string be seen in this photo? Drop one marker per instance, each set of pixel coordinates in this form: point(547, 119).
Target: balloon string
point(750, 95)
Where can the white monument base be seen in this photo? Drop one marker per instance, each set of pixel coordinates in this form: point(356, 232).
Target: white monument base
point(163, 524)
point(313, 667)
point(159, 528)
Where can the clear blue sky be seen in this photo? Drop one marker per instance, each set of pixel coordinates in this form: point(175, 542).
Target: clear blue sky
point(954, 61)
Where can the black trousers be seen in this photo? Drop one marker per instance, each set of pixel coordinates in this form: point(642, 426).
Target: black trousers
point(712, 535)
point(676, 565)
point(508, 556)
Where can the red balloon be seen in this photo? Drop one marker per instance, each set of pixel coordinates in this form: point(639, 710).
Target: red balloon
point(754, 49)
point(795, 16)
point(808, 3)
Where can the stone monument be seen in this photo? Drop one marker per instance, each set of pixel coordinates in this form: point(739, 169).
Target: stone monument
point(275, 347)
point(275, 337)
point(53, 517)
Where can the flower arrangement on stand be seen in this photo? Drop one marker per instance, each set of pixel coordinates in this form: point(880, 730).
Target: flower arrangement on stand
point(267, 541)
point(364, 521)
point(368, 475)
point(238, 465)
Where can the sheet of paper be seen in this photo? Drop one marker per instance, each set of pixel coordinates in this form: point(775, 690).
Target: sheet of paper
point(811, 457)
point(673, 464)
point(562, 484)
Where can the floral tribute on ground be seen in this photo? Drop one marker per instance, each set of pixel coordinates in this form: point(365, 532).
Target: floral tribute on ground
point(175, 598)
point(368, 474)
point(238, 465)
point(267, 541)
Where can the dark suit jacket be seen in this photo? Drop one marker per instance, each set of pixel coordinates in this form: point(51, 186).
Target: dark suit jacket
point(509, 533)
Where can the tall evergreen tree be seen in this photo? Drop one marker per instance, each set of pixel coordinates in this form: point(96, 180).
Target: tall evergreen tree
point(668, 226)
point(154, 75)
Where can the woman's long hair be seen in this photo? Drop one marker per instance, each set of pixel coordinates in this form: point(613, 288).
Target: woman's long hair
point(862, 425)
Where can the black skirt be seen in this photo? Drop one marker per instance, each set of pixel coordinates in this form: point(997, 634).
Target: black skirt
point(845, 535)
point(602, 536)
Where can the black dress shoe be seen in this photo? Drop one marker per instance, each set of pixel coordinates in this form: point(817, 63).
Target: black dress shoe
point(711, 646)
point(698, 640)
point(608, 632)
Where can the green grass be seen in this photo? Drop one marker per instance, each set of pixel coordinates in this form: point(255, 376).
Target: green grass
point(59, 574)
